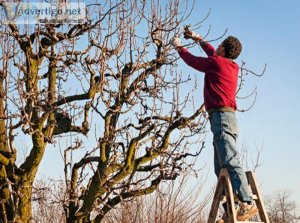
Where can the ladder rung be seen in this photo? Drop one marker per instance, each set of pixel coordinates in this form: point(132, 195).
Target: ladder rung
point(236, 198)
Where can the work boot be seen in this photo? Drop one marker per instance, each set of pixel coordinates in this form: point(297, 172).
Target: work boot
point(246, 211)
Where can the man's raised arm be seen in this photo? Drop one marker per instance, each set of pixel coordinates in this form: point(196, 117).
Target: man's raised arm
point(208, 49)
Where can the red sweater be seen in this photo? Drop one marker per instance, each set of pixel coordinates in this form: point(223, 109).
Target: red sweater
point(221, 75)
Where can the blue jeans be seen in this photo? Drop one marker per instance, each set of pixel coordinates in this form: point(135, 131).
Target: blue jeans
point(224, 129)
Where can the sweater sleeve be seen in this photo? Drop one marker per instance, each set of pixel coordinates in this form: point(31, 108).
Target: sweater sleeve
point(202, 64)
point(208, 48)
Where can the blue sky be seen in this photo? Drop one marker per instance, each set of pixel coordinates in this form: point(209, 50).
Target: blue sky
point(270, 33)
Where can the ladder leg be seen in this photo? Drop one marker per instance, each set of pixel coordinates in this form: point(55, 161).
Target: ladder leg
point(216, 200)
point(224, 184)
point(231, 212)
point(259, 202)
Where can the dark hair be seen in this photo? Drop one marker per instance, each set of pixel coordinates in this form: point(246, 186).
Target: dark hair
point(232, 47)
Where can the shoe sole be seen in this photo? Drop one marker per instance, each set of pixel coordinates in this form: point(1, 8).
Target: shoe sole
point(248, 215)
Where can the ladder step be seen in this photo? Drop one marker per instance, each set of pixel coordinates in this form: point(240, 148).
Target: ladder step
point(236, 198)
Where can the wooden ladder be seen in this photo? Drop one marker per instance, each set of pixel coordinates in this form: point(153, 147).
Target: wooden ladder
point(224, 184)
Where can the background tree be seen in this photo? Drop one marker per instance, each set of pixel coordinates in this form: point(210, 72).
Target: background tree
point(114, 72)
point(174, 201)
point(281, 208)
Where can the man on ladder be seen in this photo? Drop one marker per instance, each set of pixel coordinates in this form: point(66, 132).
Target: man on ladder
point(220, 85)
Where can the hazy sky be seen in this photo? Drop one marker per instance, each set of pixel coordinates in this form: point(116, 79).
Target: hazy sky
point(270, 33)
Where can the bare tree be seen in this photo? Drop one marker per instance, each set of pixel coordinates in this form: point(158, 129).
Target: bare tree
point(115, 72)
point(281, 208)
point(47, 205)
point(174, 201)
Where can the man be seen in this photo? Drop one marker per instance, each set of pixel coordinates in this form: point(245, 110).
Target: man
point(220, 85)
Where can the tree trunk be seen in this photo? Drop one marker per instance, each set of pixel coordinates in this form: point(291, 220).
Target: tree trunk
point(5, 161)
point(24, 207)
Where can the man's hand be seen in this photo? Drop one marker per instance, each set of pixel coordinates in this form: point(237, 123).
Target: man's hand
point(188, 34)
point(176, 42)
